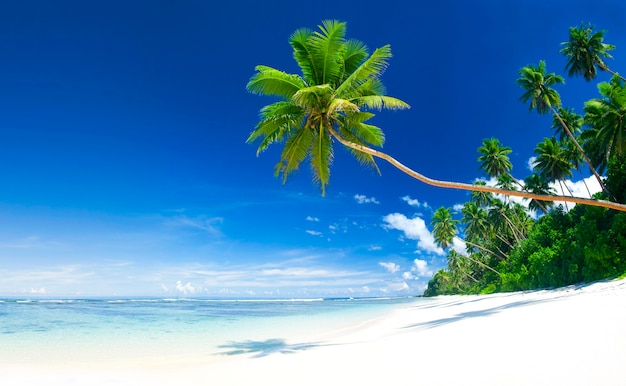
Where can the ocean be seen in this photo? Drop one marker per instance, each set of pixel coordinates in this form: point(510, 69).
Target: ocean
point(123, 330)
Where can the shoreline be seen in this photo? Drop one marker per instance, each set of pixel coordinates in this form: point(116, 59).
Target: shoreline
point(573, 335)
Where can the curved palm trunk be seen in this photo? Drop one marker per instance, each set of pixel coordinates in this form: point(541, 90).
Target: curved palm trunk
point(469, 187)
point(580, 149)
point(613, 73)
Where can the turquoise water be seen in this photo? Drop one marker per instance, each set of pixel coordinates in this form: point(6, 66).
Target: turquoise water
point(123, 329)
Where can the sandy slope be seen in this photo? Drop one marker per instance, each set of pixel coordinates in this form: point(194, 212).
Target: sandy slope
point(570, 336)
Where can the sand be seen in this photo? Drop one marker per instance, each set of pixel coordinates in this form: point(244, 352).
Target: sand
point(570, 336)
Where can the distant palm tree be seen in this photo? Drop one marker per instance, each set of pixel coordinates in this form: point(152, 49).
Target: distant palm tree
point(586, 51)
point(494, 158)
point(329, 101)
point(552, 162)
point(537, 184)
point(445, 230)
point(606, 117)
point(575, 123)
point(543, 98)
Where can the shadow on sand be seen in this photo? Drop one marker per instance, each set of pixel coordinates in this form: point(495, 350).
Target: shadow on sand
point(266, 347)
point(476, 314)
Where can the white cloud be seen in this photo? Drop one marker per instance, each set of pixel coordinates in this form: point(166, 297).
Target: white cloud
point(314, 233)
point(374, 248)
point(421, 268)
point(531, 163)
point(458, 245)
point(390, 266)
point(361, 199)
point(187, 289)
point(414, 202)
point(310, 218)
point(40, 291)
point(414, 229)
point(408, 276)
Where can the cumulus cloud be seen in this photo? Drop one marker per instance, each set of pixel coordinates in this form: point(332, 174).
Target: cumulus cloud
point(414, 229)
point(187, 289)
point(361, 199)
point(420, 268)
point(313, 233)
point(414, 202)
point(390, 266)
point(310, 218)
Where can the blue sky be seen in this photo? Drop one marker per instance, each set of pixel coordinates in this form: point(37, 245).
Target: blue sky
point(125, 170)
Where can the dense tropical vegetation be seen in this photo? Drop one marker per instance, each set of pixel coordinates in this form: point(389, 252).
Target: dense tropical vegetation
point(565, 245)
point(508, 245)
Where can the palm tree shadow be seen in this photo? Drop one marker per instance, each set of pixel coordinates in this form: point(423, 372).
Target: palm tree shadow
point(265, 347)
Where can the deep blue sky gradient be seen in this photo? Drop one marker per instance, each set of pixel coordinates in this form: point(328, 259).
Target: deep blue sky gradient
point(125, 170)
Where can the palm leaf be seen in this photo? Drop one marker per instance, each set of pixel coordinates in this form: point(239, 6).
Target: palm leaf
point(374, 66)
point(268, 81)
point(378, 102)
point(355, 53)
point(321, 157)
point(325, 47)
point(295, 151)
point(302, 53)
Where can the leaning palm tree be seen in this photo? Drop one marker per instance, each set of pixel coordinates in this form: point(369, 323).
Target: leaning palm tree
point(537, 85)
point(586, 51)
point(331, 100)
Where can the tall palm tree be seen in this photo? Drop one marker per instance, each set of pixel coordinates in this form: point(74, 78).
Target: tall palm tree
point(606, 117)
point(445, 231)
point(330, 101)
point(494, 158)
point(586, 51)
point(543, 98)
point(537, 184)
point(575, 123)
point(552, 162)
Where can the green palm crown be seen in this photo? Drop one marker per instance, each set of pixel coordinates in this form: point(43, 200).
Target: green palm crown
point(338, 85)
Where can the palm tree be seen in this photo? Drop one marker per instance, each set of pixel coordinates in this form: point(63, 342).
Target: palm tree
point(574, 122)
point(586, 51)
point(537, 184)
point(494, 158)
point(552, 162)
point(543, 98)
point(339, 83)
point(445, 230)
point(607, 118)
point(339, 79)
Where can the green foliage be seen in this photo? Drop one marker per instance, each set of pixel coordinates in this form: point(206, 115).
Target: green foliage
point(585, 244)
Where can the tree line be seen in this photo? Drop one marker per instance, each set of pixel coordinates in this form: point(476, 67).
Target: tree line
point(332, 101)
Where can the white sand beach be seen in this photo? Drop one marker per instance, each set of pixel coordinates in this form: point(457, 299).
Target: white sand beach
point(570, 336)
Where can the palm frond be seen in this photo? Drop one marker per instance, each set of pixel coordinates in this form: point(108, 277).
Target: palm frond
point(295, 151)
point(355, 52)
point(302, 53)
point(379, 102)
point(325, 50)
point(363, 158)
point(276, 122)
point(269, 81)
point(321, 157)
point(342, 105)
point(373, 66)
